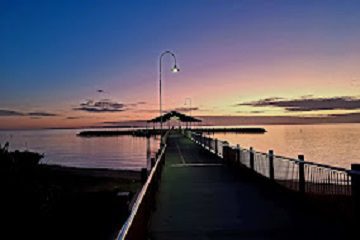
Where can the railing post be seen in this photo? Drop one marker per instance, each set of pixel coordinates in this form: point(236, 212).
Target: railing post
point(216, 147)
point(152, 162)
point(238, 154)
point(144, 175)
point(226, 151)
point(271, 164)
point(148, 151)
point(251, 158)
point(301, 174)
point(355, 188)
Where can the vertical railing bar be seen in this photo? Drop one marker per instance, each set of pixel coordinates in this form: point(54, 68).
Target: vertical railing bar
point(295, 174)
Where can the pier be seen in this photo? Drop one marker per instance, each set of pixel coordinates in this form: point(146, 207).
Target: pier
point(202, 188)
point(152, 132)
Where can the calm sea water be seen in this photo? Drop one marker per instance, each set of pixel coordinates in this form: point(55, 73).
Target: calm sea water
point(336, 145)
point(63, 147)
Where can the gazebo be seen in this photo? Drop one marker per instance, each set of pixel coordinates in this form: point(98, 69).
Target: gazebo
point(174, 115)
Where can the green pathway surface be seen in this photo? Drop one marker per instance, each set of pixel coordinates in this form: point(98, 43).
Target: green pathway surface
point(199, 198)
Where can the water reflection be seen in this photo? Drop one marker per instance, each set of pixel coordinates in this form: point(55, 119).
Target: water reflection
point(63, 147)
point(337, 144)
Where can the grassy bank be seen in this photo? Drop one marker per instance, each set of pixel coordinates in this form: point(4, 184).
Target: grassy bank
point(53, 202)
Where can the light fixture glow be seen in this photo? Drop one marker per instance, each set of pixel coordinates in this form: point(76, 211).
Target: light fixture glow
point(175, 69)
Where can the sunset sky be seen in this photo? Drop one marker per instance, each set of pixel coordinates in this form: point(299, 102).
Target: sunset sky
point(83, 63)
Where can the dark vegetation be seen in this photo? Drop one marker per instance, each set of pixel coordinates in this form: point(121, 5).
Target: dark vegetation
point(50, 202)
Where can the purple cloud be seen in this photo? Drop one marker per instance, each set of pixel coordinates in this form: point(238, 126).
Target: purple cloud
point(42, 114)
point(308, 103)
point(104, 105)
point(9, 113)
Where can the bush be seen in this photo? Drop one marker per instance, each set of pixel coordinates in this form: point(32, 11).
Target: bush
point(18, 159)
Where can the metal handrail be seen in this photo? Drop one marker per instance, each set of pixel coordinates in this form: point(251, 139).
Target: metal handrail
point(313, 163)
point(125, 228)
point(293, 160)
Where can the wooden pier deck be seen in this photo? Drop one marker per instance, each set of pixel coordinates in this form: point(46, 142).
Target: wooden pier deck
point(200, 198)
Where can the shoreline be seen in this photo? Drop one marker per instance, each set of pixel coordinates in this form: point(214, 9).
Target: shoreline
point(84, 203)
point(94, 172)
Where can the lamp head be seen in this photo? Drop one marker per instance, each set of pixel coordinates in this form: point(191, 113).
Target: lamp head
point(175, 69)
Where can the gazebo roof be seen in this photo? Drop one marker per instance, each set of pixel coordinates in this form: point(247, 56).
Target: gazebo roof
point(167, 116)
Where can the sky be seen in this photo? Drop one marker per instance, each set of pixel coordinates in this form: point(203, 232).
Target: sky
point(89, 63)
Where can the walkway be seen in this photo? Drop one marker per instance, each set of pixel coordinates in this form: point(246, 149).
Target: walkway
point(199, 198)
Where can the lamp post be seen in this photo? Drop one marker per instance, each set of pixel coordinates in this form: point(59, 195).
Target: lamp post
point(186, 99)
point(174, 69)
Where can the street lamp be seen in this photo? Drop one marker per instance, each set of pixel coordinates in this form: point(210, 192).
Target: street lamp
point(186, 99)
point(174, 69)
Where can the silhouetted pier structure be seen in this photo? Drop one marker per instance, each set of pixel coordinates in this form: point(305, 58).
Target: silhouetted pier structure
point(155, 131)
point(202, 188)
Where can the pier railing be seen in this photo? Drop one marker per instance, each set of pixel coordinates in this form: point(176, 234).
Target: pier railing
point(136, 226)
point(294, 174)
point(212, 144)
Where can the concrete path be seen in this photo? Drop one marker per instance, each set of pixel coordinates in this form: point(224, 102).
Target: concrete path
point(199, 198)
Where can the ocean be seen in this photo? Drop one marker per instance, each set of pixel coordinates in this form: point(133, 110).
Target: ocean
point(63, 147)
point(336, 145)
point(333, 144)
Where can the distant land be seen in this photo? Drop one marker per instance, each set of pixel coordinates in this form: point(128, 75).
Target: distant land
point(230, 121)
point(253, 120)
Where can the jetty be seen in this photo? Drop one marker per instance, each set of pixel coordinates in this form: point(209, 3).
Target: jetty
point(183, 121)
point(156, 132)
point(203, 188)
